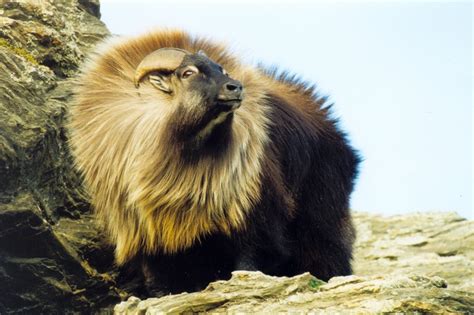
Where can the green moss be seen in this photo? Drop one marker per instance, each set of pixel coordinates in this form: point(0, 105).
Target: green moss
point(315, 283)
point(18, 51)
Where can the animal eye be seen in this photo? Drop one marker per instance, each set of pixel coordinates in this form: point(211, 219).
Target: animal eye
point(188, 73)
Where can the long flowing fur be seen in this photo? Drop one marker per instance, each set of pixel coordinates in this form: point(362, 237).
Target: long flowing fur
point(145, 197)
point(265, 189)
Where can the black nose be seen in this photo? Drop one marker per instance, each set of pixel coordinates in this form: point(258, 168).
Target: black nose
point(231, 91)
point(233, 86)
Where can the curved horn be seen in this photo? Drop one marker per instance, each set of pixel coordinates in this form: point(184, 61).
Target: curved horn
point(167, 59)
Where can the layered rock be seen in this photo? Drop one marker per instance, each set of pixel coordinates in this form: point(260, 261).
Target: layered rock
point(431, 244)
point(41, 269)
point(256, 293)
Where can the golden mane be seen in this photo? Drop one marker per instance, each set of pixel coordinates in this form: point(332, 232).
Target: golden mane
point(144, 196)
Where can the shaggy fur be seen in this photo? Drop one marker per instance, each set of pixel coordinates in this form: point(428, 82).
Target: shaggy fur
point(273, 198)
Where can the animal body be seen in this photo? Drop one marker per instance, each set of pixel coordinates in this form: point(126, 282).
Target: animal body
point(198, 165)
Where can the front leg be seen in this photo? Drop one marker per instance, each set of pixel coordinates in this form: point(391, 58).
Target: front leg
point(246, 261)
point(189, 270)
point(155, 283)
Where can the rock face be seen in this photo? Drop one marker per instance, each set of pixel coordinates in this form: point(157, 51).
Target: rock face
point(52, 260)
point(431, 244)
point(403, 264)
point(41, 43)
point(40, 272)
point(42, 269)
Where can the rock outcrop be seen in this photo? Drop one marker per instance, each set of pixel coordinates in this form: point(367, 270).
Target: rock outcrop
point(42, 268)
point(430, 244)
point(52, 260)
point(256, 293)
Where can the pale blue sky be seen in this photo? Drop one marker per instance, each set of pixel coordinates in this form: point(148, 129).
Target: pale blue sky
point(400, 74)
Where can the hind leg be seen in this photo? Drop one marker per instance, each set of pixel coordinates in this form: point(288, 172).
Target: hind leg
point(325, 249)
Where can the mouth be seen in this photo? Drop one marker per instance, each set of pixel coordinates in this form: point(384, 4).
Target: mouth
point(229, 104)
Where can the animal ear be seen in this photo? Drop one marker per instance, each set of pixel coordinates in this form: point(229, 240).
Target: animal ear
point(161, 81)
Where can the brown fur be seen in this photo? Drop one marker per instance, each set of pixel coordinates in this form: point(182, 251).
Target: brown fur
point(190, 187)
point(144, 198)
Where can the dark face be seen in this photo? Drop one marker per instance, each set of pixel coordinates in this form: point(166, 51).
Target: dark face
point(205, 98)
point(199, 73)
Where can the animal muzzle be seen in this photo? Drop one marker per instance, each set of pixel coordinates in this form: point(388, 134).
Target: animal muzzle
point(230, 93)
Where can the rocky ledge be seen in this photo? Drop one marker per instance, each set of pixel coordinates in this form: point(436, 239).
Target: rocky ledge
point(256, 293)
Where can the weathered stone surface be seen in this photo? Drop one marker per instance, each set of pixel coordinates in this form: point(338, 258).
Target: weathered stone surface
point(43, 268)
point(256, 293)
point(41, 42)
point(56, 34)
point(411, 263)
point(82, 235)
point(39, 272)
point(431, 244)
